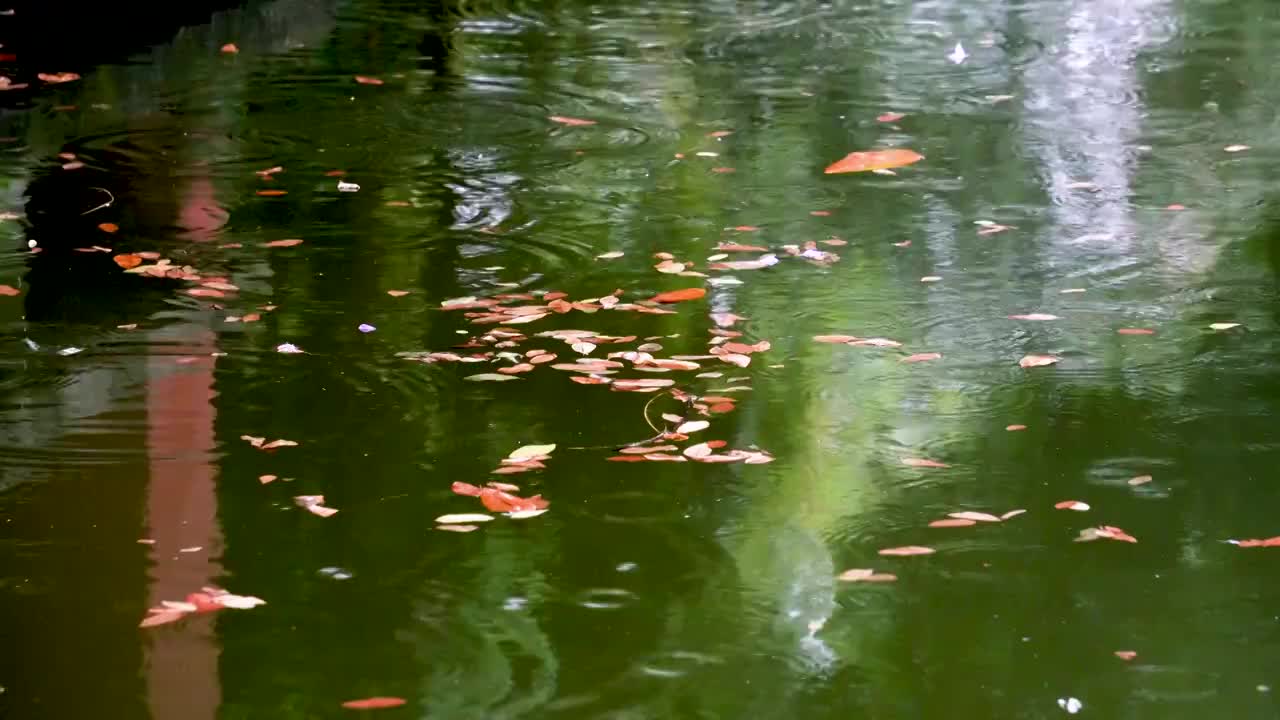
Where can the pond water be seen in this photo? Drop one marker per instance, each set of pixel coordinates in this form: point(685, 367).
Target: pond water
point(1110, 163)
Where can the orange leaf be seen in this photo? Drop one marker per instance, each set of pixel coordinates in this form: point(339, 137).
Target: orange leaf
point(58, 77)
point(1030, 361)
point(1015, 428)
point(108, 227)
point(9, 291)
point(874, 160)
point(206, 292)
point(500, 501)
point(367, 80)
point(462, 488)
point(1071, 505)
point(923, 463)
point(283, 243)
point(952, 522)
point(674, 296)
point(571, 121)
point(1135, 331)
point(908, 550)
point(128, 261)
point(272, 193)
point(374, 703)
point(397, 293)
point(1268, 542)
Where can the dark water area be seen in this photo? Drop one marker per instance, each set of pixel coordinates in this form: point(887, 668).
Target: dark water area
point(466, 184)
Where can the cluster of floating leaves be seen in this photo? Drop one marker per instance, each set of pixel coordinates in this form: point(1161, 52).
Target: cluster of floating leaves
point(207, 600)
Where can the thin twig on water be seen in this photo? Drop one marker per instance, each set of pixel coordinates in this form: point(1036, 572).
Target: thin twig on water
point(106, 204)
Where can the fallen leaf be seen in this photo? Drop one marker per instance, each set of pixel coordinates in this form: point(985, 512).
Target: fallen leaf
point(490, 377)
point(641, 384)
point(875, 342)
point(835, 339)
point(457, 528)
point(1034, 316)
point(264, 479)
point(1030, 361)
point(674, 296)
point(975, 516)
point(570, 121)
point(531, 451)
point(271, 193)
point(874, 160)
point(108, 227)
point(374, 703)
point(9, 291)
point(921, 357)
point(283, 243)
point(1012, 513)
point(865, 575)
point(163, 617)
point(1015, 428)
point(1176, 206)
point(1229, 148)
point(397, 293)
point(1140, 480)
point(908, 550)
point(952, 522)
point(923, 463)
point(1268, 542)
point(611, 255)
point(128, 260)
point(205, 292)
point(693, 426)
point(497, 500)
point(55, 78)
point(1223, 325)
point(1135, 331)
point(1105, 532)
point(1072, 505)
point(368, 80)
point(889, 117)
point(278, 444)
point(459, 518)
point(931, 279)
point(1125, 655)
point(230, 49)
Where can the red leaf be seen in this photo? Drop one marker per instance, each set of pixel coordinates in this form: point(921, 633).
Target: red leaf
point(374, 703)
point(283, 243)
point(272, 193)
point(952, 522)
point(908, 550)
point(1268, 542)
point(58, 77)
point(230, 49)
point(206, 292)
point(462, 488)
point(108, 227)
point(923, 463)
point(889, 117)
point(499, 501)
point(674, 296)
point(9, 291)
point(367, 80)
point(874, 160)
point(128, 261)
point(571, 121)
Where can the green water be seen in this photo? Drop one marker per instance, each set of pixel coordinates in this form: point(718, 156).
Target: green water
point(1075, 164)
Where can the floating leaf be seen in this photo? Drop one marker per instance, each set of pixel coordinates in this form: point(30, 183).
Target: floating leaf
point(458, 518)
point(611, 255)
point(674, 296)
point(55, 78)
point(108, 227)
point(397, 293)
point(1105, 532)
point(1229, 148)
point(490, 377)
point(1035, 316)
point(367, 80)
point(571, 121)
point(229, 49)
point(835, 339)
point(290, 242)
point(975, 516)
point(1030, 361)
point(908, 550)
point(1135, 331)
point(1125, 655)
point(1015, 428)
point(1012, 513)
point(1140, 480)
point(865, 575)
point(448, 527)
point(1072, 505)
point(921, 357)
point(531, 451)
point(923, 463)
point(693, 426)
point(128, 260)
point(874, 160)
point(374, 703)
point(952, 523)
point(1268, 542)
point(889, 117)
point(1223, 325)
point(9, 291)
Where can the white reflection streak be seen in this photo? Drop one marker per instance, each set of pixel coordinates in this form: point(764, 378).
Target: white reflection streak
point(1084, 112)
